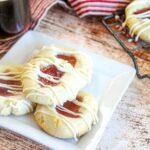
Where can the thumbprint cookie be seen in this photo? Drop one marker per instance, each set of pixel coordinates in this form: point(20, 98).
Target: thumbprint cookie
point(71, 120)
point(55, 74)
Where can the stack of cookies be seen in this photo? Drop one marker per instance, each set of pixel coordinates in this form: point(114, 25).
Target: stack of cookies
point(52, 80)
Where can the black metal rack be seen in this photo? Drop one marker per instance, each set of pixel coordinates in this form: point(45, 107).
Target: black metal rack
point(108, 23)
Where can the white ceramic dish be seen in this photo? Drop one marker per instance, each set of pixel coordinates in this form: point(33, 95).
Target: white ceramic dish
point(110, 81)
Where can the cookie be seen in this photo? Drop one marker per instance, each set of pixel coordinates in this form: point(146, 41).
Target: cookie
point(55, 74)
point(71, 120)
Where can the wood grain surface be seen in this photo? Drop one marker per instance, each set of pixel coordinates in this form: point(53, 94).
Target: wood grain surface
point(129, 127)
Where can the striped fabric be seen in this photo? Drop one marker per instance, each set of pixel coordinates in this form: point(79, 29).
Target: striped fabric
point(38, 9)
point(97, 7)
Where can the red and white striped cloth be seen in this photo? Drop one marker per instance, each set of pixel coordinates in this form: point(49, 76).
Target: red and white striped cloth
point(97, 7)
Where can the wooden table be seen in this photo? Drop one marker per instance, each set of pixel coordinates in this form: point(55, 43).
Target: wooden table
point(129, 127)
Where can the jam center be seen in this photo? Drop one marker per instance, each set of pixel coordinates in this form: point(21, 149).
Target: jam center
point(10, 82)
point(5, 92)
point(70, 106)
point(69, 59)
point(53, 71)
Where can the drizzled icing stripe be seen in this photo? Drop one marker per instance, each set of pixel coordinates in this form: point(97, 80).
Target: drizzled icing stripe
point(143, 15)
point(68, 87)
point(15, 92)
point(82, 73)
point(47, 77)
point(141, 25)
point(39, 92)
point(11, 87)
point(138, 26)
point(71, 126)
point(135, 3)
point(134, 26)
point(5, 77)
point(93, 114)
point(10, 73)
point(141, 31)
point(76, 114)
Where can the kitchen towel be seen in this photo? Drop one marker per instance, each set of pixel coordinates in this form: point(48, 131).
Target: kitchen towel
point(97, 7)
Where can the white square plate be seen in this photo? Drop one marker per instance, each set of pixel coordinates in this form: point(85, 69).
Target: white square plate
point(109, 82)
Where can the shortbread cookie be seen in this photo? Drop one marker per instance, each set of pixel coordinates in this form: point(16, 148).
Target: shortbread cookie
point(138, 19)
point(55, 74)
point(12, 100)
point(71, 120)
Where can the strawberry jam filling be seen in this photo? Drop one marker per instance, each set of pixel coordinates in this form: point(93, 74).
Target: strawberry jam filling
point(10, 82)
point(70, 106)
point(53, 71)
point(69, 59)
point(6, 91)
point(142, 10)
